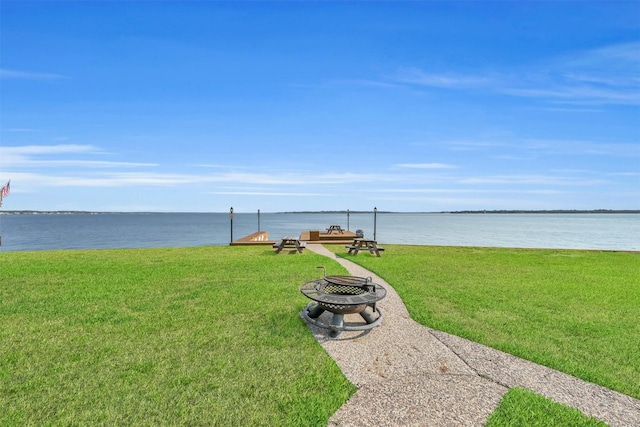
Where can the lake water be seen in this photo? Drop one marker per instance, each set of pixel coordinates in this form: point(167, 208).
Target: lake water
point(22, 232)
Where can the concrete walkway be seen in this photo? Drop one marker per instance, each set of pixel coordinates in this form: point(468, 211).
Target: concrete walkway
point(410, 375)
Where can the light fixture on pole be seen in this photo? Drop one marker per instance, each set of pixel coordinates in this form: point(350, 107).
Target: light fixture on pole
point(231, 218)
point(375, 214)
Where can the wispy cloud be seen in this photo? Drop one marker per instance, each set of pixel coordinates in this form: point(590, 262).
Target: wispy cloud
point(96, 164)
point(474, 145)
point(514, 148)
point(29, 75)
point(416, 76)
point(529, 180)
point(29, 156)
point(467, 191)
point(426, 166)
point(265, 193)
point(608, 75)
point(19, 130)
point(572, 92)
point(48, 149)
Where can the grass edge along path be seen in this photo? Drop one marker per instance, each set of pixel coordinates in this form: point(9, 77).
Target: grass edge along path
point(571, 310)
point(522, 407)
point(188, 336)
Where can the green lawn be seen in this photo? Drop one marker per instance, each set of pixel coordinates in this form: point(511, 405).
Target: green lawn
point(523, 408)
point(212, 336)
point(575, 311)
point(196, 336)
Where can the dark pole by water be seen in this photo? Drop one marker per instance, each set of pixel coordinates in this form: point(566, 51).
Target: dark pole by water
point(258, 220)
point(347, 219)
point(231, 218)
point(375, 214)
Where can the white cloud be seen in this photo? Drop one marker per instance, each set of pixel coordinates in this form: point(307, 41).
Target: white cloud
point(608, 75)
point(265, 193)
point(48, 149)
point(29, 156)
point(570, 93)
point(528, 180)
point(466, 191)
point(416, 76)
point(426, 166)
point(19, 130)
point(29, 75)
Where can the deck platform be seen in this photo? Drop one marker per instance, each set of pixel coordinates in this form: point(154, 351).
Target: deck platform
point(310, 236)
point(315, 236)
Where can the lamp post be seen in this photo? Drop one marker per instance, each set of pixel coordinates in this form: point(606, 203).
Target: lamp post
point(231, 218)
point(258, 220)
point(375, 214)
point(347, 219)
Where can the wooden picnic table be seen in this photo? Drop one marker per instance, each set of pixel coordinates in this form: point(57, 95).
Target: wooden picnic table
point(289, 242)
point(336, 228)
point(364, 244)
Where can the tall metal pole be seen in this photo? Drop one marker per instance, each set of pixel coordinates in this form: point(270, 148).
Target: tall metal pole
point(375, 214)
point(347, 219)
point(231, 218)
point(258, 220)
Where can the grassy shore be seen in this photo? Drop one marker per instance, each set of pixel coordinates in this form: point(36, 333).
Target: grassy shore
point(575, 311)
point(197, 336)
point(212, 336)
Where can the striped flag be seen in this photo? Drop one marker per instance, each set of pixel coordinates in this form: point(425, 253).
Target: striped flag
point(6, 189)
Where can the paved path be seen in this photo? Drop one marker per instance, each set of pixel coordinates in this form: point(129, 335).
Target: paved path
point(410, 375)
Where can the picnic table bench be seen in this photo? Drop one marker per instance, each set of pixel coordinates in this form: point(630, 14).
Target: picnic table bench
point(336, 228)
point(364, 244)
point(289, 242)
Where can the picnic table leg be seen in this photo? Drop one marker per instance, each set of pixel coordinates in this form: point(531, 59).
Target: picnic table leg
point(359, 248)
point(377, 251)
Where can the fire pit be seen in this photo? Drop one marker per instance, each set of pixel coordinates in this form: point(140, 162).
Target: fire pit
point(342, 295)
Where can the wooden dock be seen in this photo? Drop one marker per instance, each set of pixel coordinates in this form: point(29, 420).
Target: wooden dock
point(315, 236)
point(310, 236)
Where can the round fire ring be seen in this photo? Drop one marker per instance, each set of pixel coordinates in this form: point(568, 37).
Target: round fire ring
point(342, 295)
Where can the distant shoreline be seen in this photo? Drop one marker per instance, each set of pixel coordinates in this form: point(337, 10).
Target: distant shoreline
point(556, 211)
point(502, 211)
point(505, 211)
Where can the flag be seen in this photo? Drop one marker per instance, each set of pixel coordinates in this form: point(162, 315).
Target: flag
point(6, 189)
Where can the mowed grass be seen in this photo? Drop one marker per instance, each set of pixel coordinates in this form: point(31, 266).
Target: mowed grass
point(522, 407)
point(575, 311)
point(211, 336)
point(193, 336)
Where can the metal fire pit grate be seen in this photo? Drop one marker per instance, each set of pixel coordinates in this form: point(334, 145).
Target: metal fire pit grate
point(342, 295)
point(330, 288)
point(348, 280)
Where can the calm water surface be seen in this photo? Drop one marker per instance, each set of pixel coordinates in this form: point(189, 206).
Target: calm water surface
point(138, 230)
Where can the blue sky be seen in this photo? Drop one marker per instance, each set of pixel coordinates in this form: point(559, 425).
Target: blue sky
point(406, 106)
